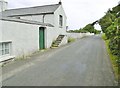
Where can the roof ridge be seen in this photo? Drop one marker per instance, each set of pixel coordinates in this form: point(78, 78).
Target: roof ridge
point(31, 10)
point(32, 7)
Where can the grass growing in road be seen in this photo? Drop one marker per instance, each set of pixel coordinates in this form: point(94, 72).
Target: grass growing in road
point(71, 40)
point(113, 58)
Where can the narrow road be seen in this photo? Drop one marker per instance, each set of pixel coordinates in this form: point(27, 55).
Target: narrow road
point(82, 63)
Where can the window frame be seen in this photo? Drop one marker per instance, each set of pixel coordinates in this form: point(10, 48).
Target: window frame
point(60, 21)
point(5, 48)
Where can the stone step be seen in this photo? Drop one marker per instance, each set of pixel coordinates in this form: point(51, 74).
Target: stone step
point(55, 45)
point(58, 41)
point(60, 36)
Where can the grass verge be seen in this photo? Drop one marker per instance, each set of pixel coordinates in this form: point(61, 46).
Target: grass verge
point(71, 40)
point(113, 58)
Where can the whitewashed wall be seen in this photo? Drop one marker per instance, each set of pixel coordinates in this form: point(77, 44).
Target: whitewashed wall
point(48, 18)
point(1, 9)
point(33, 17)
point(79, 35)
point(59, 30)
point(1, 6)
point(0, 30)
point(0, 21)
point(50, 37)
point(51, 33)
point(54, 33)
point(64, 41)
point(24, 37)
point(0, 63)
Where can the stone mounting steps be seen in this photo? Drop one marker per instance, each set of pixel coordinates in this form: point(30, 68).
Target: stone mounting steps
point(57, 42)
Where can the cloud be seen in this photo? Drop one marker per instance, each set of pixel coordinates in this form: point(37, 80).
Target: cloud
point(79, 12)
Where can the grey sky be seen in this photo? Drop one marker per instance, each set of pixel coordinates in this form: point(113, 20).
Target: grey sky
point(79, 12)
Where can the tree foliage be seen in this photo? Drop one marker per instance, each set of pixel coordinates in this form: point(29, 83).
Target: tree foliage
point(88, 28)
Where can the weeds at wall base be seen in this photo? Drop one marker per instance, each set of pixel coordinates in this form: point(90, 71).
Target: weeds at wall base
point(71, 40)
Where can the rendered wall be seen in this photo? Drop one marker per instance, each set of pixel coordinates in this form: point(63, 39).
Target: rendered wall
point(49, 18)
point(60, 30)
point(0, 30)
point(24, 37)
point(52, 34)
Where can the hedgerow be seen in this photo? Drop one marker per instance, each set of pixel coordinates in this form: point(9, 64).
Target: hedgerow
point(110, 24)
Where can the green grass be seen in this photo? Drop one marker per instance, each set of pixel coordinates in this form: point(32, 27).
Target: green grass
point(71, 40)
point(113, 58)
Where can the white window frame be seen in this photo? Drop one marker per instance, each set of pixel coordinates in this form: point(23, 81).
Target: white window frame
point(5, 48)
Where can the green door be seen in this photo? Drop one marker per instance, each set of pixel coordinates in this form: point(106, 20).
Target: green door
point(41, 38)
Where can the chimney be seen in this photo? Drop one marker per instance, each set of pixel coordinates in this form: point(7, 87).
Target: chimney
point(3, 5)
point(60, 3)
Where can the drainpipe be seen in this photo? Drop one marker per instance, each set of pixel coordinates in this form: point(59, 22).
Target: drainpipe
point(44, 18)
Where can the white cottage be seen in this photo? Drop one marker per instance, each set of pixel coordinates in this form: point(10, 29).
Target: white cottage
point(26, 30)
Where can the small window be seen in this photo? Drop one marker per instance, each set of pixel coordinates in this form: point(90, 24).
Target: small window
point(4, 48)
point(61, 20)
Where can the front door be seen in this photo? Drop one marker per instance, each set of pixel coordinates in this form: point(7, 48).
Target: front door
point(41, 38)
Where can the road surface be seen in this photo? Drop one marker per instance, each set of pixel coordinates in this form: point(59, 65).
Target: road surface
point(82, 63)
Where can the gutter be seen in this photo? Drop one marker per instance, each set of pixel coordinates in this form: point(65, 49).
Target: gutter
point(44, 18)
point(27, 14)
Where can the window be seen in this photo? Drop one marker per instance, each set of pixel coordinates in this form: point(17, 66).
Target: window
point(4, 48)
point(61, 20)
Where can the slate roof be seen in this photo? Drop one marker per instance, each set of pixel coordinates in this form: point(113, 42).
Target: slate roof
point(25, 21)
point(46, 9)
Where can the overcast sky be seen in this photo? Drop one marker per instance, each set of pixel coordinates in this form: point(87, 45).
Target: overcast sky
point(79, 12)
